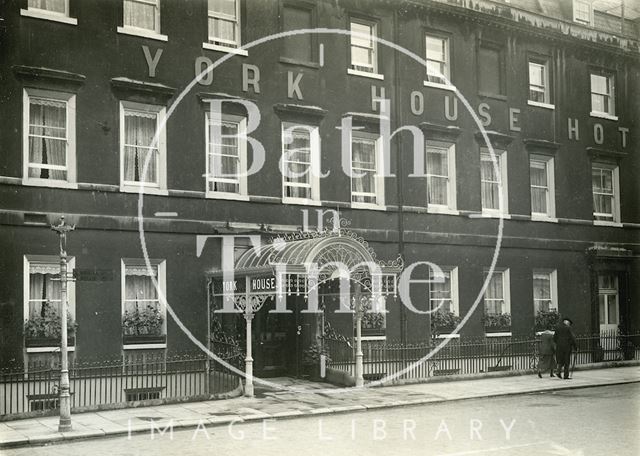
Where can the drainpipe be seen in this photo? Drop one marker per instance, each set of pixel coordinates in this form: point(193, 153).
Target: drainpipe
point(400, 167)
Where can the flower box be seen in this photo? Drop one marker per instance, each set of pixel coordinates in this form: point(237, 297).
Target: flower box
point(132, 339)
point(497, 329)
point(32, 342)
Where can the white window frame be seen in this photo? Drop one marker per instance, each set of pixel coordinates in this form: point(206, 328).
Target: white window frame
point(45, 14)
point(550, 215)
point(506, 288)
point(611, 113)
point(70, 100)
point(545, 89)
point(141, 31)
point(220, 44)
point(553, 288)
point(162, 294)
point(615, 205)
point(242, 193)
point(353, 68)
point(576, 5)
point(314, 168)
point(159, 188)
point(380, 171)
point(50, 260)
point(439, 83)
point(450, 150)
point(453, 282)
point(503, 184)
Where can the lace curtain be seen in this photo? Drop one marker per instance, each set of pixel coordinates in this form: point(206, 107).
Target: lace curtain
point(437, 177)
point(298, 164)
point(43, 291)
point(440, 292)
point(538, 173)
point(140, 14)
point(47, 139)
point(602, 182)
point(224, 159)
point(139, 288)
point(542, 292)
point(139, 131)
point(364, 169)
point(223, 21)
point(494, 296)
point(57, 6)
point(490, 182)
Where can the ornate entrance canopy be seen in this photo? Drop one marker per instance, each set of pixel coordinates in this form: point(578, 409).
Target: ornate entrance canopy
point(296, 258)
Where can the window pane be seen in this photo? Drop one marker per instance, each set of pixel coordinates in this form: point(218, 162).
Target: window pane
point(602, 309)
point(56, 6)
point(227, 7)
point(141, 14)
point(363, 163)
point(47, 139)
point(140, 158)
point(612, 303)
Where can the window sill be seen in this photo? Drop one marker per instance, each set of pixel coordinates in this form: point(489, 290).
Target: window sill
point(442, 210)
point(303, 63)
point(498, 334)
point(70, 348)
point(226, 196)
point(49, 183)
point(49, 16)
point(375, 207)
point(143, 346)
point(144, 190)
point(373, 337)
point(494, 215)
point(541, 105)
point(438, 85)
point(603, 115)
point(227, 50)
point(605, 223)
point(144, 33)
point(301, 201)
point(543, 218)
point(494, 96)
point(365, 74)
point(448, 336)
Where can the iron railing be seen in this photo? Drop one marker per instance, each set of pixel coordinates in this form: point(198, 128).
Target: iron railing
point(469, 356)
point(33, 390)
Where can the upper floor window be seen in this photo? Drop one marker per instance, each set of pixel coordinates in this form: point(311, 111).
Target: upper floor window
point(55, 10)
point(300, 163)
point(298, 47)
point(437, 58)
point(606, 191)
point(364, 48)
point(226, 156)
point(367, 177)
point(539, 82)
point(493, 177)
point(224, 23)
point(582, 11)
point(603, 94)
point(545, 297)
point(490, 70)
point(49, 138)
point(441, 180)
point(142, 152)
point(144, 14)
point(541, 178)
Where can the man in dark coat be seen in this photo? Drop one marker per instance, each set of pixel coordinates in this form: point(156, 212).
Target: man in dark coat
point(565, 342)
point(547, 353)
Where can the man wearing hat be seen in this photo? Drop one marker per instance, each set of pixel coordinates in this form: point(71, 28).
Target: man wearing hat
point(565, 342)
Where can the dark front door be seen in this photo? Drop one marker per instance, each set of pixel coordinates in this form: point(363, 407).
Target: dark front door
point(274, 339)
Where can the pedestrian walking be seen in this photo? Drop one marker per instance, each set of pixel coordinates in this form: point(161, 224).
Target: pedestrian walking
point(565, 342)
point(547, 353)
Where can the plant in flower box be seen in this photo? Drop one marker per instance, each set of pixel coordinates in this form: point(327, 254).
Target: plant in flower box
point(444, 322)
point(45, 328)
point(497, 322)
point(145, 323)
point(311, 359)
point(373, 323)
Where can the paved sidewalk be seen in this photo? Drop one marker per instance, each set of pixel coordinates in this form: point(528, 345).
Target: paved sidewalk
point(307, 399)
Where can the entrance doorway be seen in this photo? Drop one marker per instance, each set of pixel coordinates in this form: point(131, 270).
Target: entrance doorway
point(608, 312)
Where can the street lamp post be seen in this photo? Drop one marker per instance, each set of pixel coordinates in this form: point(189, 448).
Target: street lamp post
point(65, 398)
point(248, 360)
point(359, 308)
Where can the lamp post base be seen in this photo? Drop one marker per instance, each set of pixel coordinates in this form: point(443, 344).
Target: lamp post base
point(65, 426)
